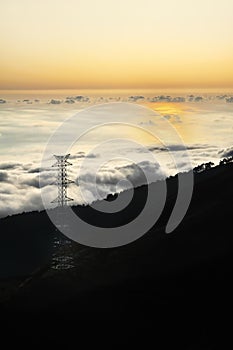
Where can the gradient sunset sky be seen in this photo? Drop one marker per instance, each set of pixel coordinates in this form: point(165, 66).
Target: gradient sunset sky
point(78, 44)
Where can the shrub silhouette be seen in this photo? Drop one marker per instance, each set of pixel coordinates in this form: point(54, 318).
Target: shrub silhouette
point(203, 167)
point(226, 160)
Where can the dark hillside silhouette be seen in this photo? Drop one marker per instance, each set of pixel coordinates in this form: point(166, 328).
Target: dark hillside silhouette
point(178, 285)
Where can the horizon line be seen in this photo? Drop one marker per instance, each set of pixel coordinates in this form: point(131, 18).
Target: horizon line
point(117, 88)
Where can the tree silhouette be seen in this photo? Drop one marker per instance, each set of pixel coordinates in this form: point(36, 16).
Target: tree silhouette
point(208, 165)
point(203, 167)
point(226, 160)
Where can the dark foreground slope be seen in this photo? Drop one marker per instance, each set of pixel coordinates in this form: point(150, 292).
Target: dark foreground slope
point(177, 287)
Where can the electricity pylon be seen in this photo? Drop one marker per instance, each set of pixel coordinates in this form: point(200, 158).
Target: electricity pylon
point(62, 180)
point(62, 258)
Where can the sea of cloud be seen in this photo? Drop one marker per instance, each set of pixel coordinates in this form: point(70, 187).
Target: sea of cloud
point(205, 124)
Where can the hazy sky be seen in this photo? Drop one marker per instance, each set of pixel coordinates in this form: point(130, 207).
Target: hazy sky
point(116, 44)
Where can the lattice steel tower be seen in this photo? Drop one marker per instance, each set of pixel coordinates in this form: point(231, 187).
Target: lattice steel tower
point(62, 180)
point(62, 257)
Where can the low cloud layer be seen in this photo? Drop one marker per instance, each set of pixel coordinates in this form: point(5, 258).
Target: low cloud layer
point(21, 183)
point(83, 99)
point(96, 186)
point(20, 188)
point(27, 122)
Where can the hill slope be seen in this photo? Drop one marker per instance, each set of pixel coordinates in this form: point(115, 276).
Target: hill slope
point(149, 282)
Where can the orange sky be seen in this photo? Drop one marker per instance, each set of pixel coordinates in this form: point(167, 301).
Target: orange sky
point(116, 44)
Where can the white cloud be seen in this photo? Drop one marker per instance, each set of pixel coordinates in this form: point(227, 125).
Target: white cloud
point(228, 152)
point(149, 122)
point(25, 130)
point(118, 179)
point(3, 176)
point(55, 102)
point(9, 165)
